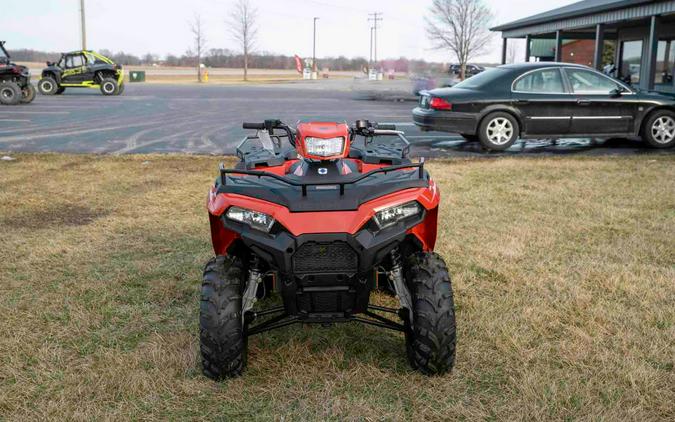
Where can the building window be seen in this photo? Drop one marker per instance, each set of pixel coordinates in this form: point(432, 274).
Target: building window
point(665, 62)
point(631, 57)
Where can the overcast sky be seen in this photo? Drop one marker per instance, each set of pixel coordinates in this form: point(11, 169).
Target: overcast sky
point(285, 26)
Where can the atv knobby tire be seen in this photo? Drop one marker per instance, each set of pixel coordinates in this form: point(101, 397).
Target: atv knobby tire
point(109, 86)
point(10, 93)
point(222, 342)
point(430, 343)
point(48, 86)
point(28, 94)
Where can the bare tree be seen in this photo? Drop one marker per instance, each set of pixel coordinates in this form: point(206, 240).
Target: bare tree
point(242, 27)
point(461, 26)
point(197, 29)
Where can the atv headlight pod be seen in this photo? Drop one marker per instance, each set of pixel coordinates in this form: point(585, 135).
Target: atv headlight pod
point(392, 215)
point(324, 147)
point(254, 219)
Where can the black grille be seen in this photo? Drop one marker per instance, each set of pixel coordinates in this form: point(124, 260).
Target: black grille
point(324, 258)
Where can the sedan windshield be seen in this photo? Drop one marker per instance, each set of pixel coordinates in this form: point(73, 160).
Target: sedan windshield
point(481, 79)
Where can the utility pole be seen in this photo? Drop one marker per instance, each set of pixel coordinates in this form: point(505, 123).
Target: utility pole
point(375, 19)
point(314, 47)
point(370, 58)
point(84, 28)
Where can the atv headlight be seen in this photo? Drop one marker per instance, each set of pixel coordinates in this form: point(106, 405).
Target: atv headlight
point(324, 147)
point(392, 215)
point(254, 219)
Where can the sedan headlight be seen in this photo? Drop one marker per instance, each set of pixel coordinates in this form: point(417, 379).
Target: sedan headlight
point(392, 215)
point(324, 147)
point(254, 219)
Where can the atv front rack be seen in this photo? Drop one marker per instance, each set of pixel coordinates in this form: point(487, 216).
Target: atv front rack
point(284, 319)
point(304, 184)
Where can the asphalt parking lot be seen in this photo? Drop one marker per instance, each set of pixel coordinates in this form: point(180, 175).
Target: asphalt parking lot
point(207, 120)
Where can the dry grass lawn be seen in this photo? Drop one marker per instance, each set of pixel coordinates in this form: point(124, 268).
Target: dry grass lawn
point(564, 278)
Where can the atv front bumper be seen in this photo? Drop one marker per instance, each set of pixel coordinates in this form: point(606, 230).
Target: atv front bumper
point(324, 253)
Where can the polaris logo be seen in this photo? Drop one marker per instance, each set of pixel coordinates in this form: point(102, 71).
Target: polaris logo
point(323, 171)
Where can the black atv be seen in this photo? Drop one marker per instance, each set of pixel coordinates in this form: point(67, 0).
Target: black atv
point(15, 86)
point(82, 69)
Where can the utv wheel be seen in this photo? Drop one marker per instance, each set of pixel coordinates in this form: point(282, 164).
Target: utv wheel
point(498, 131)
point(430, 343)
point(48, 86)
point(60, 91)
point(659, 129)
point(10, 93)
point(28, 94)
point(222, 342)
point(108, 86)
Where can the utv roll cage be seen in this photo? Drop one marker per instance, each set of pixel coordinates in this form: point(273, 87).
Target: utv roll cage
point(4, 57)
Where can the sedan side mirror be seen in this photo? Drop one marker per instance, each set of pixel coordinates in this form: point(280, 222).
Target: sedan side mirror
point(616, 92)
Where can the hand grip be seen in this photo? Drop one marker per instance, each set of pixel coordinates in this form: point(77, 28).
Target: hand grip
point(258, 126)
point(386, 126)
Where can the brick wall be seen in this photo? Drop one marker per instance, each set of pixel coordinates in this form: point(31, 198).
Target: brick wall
point(579, 52)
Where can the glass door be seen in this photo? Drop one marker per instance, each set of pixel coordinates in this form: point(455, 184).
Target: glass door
point(631, 58)
point(665, 66)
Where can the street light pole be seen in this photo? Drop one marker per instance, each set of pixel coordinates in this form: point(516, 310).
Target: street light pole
point(314, 47)
point(84, 28)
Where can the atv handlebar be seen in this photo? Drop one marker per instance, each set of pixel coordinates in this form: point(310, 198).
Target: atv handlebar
point(364, 128)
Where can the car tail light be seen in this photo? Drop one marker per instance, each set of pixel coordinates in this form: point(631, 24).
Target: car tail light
point(440, 104)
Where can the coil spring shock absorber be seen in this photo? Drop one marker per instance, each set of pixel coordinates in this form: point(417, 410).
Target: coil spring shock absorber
point(396, 277)
point(254, 279)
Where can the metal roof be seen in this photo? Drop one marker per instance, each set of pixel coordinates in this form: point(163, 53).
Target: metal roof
point(580, 8)
point(586, 15)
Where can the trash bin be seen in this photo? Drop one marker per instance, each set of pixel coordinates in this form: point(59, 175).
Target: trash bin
point(137, 76)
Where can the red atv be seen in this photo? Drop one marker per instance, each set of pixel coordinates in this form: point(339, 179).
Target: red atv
point(317, 223)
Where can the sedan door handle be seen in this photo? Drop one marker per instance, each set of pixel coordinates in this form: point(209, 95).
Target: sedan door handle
point(583, 102)
point(522, 102)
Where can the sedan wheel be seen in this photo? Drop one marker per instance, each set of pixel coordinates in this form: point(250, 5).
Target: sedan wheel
point(663, 130)
point(659, 130)
point(498, 131)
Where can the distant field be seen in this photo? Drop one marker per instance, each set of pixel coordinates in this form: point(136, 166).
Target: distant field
point(563, 271)
point(216, 75)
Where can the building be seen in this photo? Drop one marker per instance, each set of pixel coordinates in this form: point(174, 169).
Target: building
point(573, 51)
point(641, 33)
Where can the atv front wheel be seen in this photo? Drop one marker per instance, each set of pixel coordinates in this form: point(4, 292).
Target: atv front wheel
point(108, 86)
point(48, 86)
point(222, 341)
point(430, 342)
point(28, 94)
point(10, 93)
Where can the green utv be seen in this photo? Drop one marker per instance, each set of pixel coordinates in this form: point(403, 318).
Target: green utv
point(82, 69)
point(15, 86)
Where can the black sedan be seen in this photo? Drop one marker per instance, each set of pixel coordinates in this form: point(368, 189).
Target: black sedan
point(546, 100)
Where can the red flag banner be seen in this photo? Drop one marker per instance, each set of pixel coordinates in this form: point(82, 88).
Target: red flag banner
point(298, 63)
